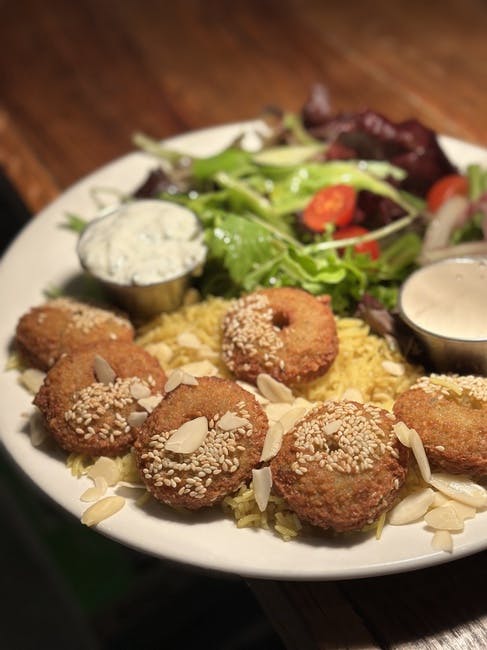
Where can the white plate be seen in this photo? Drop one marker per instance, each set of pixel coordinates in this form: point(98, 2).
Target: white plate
point(44, 255)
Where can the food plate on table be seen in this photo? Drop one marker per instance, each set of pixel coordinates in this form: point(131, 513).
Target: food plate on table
point(44, 257)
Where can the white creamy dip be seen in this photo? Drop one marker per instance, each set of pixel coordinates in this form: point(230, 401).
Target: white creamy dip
point(142, 243)
point(448, 298)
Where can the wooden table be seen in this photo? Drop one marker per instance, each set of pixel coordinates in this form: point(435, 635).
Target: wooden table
point(76, 79)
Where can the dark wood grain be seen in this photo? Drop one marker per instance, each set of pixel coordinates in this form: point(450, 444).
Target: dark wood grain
point(440, 607)
point(78, 78)
point(19, 162)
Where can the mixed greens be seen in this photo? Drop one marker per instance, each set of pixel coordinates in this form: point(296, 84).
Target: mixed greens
point(248, 204)
point(335, 204)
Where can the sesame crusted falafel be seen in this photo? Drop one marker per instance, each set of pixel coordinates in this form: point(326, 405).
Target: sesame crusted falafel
point(62, 325)
point(221, 463)
point(91, 415)
point(284, 332)
point(341, 466)
point(449, 412)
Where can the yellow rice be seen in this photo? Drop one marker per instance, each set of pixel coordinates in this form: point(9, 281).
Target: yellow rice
point(358, 366)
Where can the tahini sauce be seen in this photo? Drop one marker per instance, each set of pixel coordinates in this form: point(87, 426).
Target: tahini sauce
point(142, 243)
point(448, 298)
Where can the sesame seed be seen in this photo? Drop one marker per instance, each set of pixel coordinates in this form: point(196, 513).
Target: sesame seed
point(86, 317)
point(248, 330)
point(338, 437)
point(100, 400)
point(462, 388)
point(218, 453)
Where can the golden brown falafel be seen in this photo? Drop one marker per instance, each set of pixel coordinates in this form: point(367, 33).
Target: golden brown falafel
point(449, 412)
point(284, 332)
point(91, 415)
point(47, 331)
point(341, 466)
point(223, 460)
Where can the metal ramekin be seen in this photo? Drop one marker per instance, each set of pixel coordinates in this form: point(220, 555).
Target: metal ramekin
point(142, 301)
point(449, 354)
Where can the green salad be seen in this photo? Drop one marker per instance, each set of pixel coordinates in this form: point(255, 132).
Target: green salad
point(344, 211)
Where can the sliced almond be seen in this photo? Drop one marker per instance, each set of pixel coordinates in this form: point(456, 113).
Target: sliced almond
point(37, 429)
point(174, 380)
point(393, 368)
point(138, 390)
point(131, 486)
point(177, 377)
point(189, 340)
point(403, 433)
point(275, 410)
point(105, 467)
point(439, 500)
point(189, 379)
point(442, 541)
point(137, 418)
point(353, 395)
point(420, 455)
point(332, 427)
point(300, 401)
point(460, 488)
point(253, 390)
point(104, 373)
point(162, 351)
point(274, 390)
point(150, 403)
point(32, 379)
point(188, 437)
point(97, 491)
point(102, 509)
point(444, 518)
point(262, 482)
point(462, 510)
point(272, 442)
point(289, 419)
point(202, 368)
point(412, 507)
point(230, 421)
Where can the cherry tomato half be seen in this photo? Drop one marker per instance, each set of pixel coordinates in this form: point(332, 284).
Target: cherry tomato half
point(371, 247)
point(334, 204)
point(444, 189)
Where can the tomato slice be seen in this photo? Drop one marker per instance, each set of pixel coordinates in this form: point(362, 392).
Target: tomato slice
point(444, 189)
point(371, 247)
point(334, 204)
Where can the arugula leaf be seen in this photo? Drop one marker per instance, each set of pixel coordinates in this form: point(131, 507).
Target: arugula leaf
point(242, 245)
point(248, 209)
point(244, 254)
point(74, 222)
point(292, 193)
point(232, 160)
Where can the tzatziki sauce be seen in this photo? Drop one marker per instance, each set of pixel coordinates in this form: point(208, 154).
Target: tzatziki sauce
point(448, 298)
point(141, 243)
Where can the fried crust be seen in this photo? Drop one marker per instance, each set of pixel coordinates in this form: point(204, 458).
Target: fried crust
point(333, 499)
point(74, 372)
point(47, 331)
point(298, 343)
point(212, 396)
point(454, 434)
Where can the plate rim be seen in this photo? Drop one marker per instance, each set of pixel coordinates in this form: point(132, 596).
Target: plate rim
point(216, 564)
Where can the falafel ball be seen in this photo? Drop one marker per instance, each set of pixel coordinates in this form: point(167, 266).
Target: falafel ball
point(62, 325)
point(449, 412)
point(341, 466)
point(230, 446)
point(94, 399)
point(283, 331)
